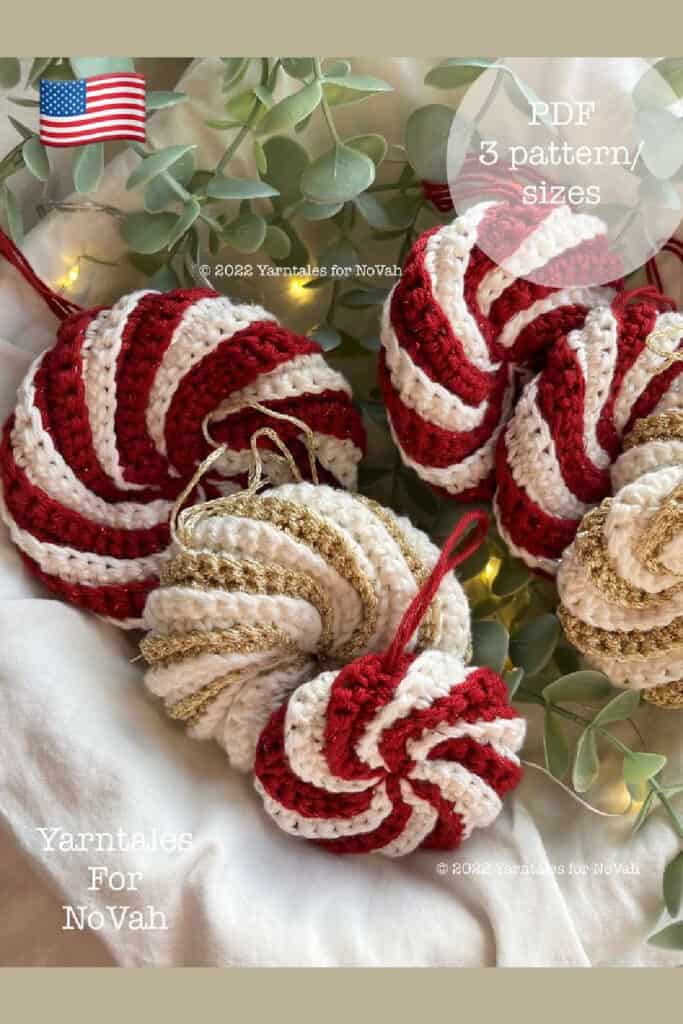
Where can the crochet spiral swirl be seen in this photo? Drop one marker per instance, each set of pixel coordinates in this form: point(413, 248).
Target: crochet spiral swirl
point(553, 459)
point(395, 750)
point(371, 760)
point(108, 428)
point(266, 586)
point(457, 329)
point(620, 581)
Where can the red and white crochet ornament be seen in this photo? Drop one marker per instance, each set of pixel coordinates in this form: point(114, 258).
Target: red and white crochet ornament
point(108, 429)
point(396, 750)
point(457, 327)
point(553, 459)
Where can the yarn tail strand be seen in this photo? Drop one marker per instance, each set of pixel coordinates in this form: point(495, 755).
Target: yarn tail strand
point(448, 560)
point(61, 307)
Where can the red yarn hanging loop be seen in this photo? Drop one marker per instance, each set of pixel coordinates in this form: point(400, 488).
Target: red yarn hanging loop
point(61, 307)
point(448, 560)
point(649, 294)
point(654, 277)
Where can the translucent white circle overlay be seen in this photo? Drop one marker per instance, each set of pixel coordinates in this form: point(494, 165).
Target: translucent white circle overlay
point(600, 136)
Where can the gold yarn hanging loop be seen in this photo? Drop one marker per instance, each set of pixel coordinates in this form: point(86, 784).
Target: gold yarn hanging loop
point(664, 334)
point(184, 520)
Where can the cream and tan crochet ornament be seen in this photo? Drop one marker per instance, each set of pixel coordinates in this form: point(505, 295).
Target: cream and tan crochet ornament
point(264, 587)
point(621, 581)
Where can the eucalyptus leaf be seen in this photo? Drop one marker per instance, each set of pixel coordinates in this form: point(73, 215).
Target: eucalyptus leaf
point(475, 564)
point(35, 158)
point(233, 70)
point(670, 937)
point(298, 67)
point(419, 493)
point(20, 101)
point(619, 708)
point(532, 646)
point(639, 766)
point(246, 233)
point(26, 133)
point(165, 279)
point(427, 133)
point(339, 175)
point(555, 746)
point(38, 67)
point(512, 680)
point(512, 576)
point(671, 70)
point(359, 83)
point(328, 337)
point(661, 134)
point(15, 222)
point(245, 106)
point(373, 145)
point(188, 216)
point(337, 95)
point(159, 192)
point(155, 164)
point(148, 232)
point(340, 256)
point(584, 687)
point(392, 214)
point(223, 187)
point(490, 642)
point(287, 161)
point(586, 762)
point(292, 109)
point(673, 884)
point(298, 252)
point(85, 67)
point(88, 164)
point(457, 71)
point(319, 211)
point(338, 68)
point(644, 812)
point(10, 72)
point(360, 298)
point(260, 157)
point(157, 100)
point(370, 475)
point(277, 244)
point(265, 95)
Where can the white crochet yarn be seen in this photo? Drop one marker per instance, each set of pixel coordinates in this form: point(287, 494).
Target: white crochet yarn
point(622, 614)
point(382, 560)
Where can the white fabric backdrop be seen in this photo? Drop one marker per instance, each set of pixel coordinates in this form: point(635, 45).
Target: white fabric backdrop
point(84, 749)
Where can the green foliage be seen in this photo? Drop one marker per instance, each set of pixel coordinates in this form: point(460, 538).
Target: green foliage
point(532, 646)
point(490, 642)
point(87, 167)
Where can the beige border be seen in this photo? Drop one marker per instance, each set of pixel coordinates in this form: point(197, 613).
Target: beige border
point(354, 27)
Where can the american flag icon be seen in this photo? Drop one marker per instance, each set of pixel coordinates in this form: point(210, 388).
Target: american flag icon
point(92, 109)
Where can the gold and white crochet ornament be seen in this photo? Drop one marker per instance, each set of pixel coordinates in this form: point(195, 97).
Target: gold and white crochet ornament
point(268, 589)
point(621, 581)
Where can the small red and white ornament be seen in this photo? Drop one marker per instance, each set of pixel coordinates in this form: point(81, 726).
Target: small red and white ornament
point(396, 750)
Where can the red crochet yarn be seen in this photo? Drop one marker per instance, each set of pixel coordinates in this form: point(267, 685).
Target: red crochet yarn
point(455, 332)
point(394, 751)
point(108, 430)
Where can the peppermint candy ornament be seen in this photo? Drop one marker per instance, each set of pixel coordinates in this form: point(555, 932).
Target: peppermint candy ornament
point(554, 457)
point(621, 581)
point(108, 429)
point(396, 750)
point(264, 588)
point(457, 328)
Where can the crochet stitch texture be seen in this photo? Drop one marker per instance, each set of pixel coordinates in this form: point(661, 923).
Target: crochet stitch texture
point(108, 429)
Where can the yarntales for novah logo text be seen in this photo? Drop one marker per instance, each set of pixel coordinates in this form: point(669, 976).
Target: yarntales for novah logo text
point(126, 911)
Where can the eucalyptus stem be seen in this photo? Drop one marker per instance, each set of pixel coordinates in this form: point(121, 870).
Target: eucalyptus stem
point(324, 104)
point(653, 784)
point(268, 80)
